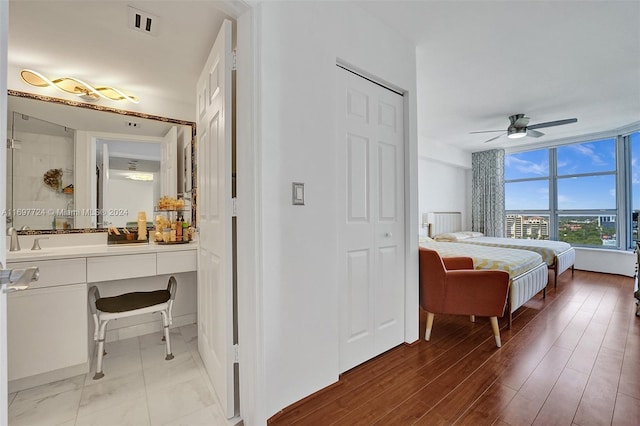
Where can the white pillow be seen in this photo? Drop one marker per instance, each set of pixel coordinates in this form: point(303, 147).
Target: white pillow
point(451, 236)
point(472, 234)
point(457, 236)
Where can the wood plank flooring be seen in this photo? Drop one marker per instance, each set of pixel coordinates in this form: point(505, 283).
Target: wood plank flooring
point(570, 359)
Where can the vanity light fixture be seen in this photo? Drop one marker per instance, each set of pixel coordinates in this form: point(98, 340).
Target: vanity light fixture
point(77, 87)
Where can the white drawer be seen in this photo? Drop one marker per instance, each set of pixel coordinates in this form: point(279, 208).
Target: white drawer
point(108, 268)
point(177, 261)
point(56, 272)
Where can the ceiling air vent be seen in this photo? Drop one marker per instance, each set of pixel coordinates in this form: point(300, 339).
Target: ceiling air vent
point(142, 21)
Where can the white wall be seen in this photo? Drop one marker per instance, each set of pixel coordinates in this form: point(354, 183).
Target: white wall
point(299, 44)
point(121, 200)
point(448, 154)
point(38, 154)
point(444, 188)
point(606, 261)
point(444, 170)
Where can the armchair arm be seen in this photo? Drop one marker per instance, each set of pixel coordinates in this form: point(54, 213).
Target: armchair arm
point(476, 292)
point(453, 263)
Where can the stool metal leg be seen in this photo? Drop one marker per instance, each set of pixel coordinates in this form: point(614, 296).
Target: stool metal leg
point(165, 323)
point(103, 328)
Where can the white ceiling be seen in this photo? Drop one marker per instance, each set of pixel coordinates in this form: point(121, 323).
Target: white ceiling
point(478, 61)
point(481, 61)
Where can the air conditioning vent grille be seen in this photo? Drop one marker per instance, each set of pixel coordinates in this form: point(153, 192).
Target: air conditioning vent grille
point(142, 21)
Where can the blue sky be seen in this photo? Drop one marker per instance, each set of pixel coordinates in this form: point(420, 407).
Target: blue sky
point(576, 192)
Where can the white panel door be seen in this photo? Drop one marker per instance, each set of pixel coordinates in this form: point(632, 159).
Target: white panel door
point(370, 185)
point(215, 274)
point(168, 171)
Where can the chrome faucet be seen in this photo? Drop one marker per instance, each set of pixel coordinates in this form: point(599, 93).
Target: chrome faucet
point(15, 244)
point(36, 243)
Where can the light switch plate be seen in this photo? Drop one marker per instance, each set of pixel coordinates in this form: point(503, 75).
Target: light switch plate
point(297, 194)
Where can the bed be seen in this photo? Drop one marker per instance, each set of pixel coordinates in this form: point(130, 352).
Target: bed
point(528, 273)
point(446, 226)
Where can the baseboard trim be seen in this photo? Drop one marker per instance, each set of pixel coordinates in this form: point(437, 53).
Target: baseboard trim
point(48, 377)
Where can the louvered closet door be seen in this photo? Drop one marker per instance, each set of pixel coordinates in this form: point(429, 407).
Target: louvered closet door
point(370, 185)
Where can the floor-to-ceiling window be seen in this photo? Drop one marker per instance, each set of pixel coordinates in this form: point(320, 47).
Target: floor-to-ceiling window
point(527, 195)
point(633, 178)
point(585, 193)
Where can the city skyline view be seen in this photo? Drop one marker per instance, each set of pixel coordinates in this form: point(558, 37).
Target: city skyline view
point(579, 230)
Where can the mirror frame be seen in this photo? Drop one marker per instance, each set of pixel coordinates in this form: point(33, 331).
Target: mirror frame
point(102, 108)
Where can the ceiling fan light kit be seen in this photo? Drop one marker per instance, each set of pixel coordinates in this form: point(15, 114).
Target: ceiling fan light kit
point(516, 133)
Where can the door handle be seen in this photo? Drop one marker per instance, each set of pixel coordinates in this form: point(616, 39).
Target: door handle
point(18, 279)
point(388, 235)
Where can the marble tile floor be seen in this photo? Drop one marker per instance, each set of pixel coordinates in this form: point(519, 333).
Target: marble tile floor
point(139, 388)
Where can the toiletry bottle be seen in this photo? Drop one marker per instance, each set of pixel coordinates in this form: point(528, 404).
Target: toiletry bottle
point(185, 231)
point(142, 226)
point(179, 229)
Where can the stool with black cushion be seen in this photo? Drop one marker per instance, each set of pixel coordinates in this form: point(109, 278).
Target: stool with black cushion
point(104, 309)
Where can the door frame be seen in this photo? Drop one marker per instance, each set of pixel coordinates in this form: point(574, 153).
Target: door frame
point(4, 385)
point(344, 72)
point(252, 391)
point(411, 216)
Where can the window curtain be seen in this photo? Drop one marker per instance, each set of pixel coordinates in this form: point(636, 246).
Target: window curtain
point(487, 192)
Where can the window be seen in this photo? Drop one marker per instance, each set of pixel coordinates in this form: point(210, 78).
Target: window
point(568, 193)
point(527, 194)
point(634, 183)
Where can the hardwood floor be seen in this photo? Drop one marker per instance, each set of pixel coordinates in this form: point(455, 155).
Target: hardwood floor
point(570, 359)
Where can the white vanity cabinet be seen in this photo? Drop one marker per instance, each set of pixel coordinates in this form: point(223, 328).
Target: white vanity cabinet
point(110, 268)
point(47, 324)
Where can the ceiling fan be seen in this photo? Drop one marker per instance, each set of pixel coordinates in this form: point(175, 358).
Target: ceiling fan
point(519, 127)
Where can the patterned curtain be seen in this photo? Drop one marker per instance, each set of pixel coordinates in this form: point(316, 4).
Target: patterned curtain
point(487, 192)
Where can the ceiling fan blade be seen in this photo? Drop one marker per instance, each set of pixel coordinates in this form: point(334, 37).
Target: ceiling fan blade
point(492, 139)
point(552, 123)
point(487, 131)
point(534, 133)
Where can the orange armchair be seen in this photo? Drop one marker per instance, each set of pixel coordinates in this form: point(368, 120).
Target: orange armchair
point(452, 286)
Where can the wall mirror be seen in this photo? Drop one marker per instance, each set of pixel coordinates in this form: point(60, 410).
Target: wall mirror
point(79, 167)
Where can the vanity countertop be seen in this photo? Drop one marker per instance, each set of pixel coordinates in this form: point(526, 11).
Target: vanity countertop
point(52, 253)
